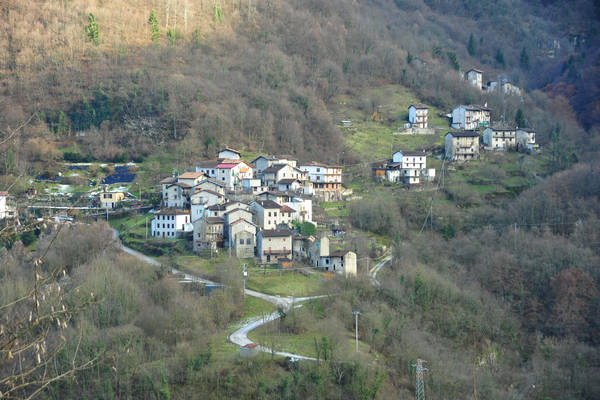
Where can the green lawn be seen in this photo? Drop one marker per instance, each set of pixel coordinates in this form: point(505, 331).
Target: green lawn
point(336, 208)
point(255, 307)
point(285, 283)
point(199, 265)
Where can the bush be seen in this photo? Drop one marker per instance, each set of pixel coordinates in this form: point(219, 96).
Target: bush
point(28, 237)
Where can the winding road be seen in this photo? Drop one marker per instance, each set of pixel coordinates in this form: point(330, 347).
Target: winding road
point(240, 336)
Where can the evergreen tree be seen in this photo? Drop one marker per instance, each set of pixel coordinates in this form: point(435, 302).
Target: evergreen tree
point(91, 30)
point(453, 60)
point(171, 37)
point(520, 119)
point(472, 47)
point(524, 59)
point(500, 57)
point(154, 28)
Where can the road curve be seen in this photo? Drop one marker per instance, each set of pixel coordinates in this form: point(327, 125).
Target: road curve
point(240, 336)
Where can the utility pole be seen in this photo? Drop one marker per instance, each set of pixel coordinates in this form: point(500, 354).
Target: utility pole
point(356, 312)
point(420, 385)
point(244, 274)
point(146, 228)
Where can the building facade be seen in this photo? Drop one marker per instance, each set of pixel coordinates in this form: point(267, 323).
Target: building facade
point(462, 146)
point(418, 115)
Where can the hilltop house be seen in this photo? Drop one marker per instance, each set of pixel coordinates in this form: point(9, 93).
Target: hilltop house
point(500, 138)
point(274, 245)
point(110, 199)
point(171, 223)
point(471, 117)
point(526, 139)
point(326, 179)
point(475, 77)
point(462, 146)
point(418, 115)
point(229, 154)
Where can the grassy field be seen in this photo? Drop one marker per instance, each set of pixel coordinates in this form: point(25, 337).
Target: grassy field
point(285, 283)
point(255, 307)
point(374, 139)
point(336, 208)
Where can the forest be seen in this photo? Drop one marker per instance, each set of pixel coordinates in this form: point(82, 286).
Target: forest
point(498, 291)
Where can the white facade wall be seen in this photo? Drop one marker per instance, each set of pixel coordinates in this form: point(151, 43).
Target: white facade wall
point(170, 226)
point(211, 171)
point(228, 154)
point(3, 210)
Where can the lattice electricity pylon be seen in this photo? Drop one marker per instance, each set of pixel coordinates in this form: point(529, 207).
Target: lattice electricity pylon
point(420, 385)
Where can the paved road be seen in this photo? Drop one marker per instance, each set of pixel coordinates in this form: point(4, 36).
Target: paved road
point(373, 272)
point(240, 336)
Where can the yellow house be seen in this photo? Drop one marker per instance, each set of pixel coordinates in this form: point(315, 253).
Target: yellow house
point(110, 199)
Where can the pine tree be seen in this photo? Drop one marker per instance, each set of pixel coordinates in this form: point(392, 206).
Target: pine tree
point(472, 47)
point(154, 28)
point(524, 59)
point(520, 119)
point(500, 57)
point(91, 30)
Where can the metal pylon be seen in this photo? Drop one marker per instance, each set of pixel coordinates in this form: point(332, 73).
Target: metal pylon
point(420, 385)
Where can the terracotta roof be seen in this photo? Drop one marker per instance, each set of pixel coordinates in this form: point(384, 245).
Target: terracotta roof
point(251, 345)
point(172, 211)
point(3, 193)
point(275, 233)
point(191, 175)
point(286, 209)
point(268, 204)
point(464, 134)
point(226, 165)
point(419, 106)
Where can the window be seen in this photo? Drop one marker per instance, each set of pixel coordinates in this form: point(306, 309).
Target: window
point(248, 241)
point(241, 241)
point(269, 213)
point(318, 169)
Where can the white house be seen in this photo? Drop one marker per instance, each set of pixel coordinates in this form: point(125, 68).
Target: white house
point(267, 213)
point(407, 167)
point(475, 77)
point(326, 179)
point(418, 115)
point(231, 173)
point(510, 89)
point(526, 139)
point(229, 154)
point(300, 203)
point(208, 167)
point(191, 178)
point(4, 211)
point(462, 146)
point(203, 199)
point(291, 184)
point(263, 162)
point(176, 195)
point(210, 184)
point(253, 185)
point(500, 138)
point(277, 172)
point(471, 117)
point(171, 223)
point(273, 245)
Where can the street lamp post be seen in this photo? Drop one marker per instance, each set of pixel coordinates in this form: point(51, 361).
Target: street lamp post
point(356, 312)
